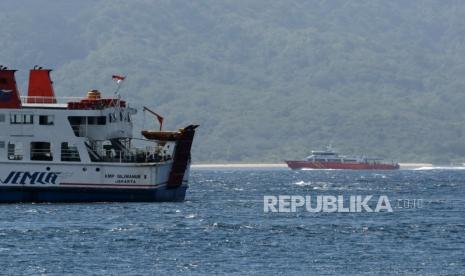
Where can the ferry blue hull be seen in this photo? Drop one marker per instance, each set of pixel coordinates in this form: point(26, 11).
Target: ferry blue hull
point(52, 194)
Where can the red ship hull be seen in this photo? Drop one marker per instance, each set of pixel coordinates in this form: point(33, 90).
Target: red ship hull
point(298, 165)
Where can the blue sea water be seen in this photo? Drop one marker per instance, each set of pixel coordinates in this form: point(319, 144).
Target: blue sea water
point(221, 228)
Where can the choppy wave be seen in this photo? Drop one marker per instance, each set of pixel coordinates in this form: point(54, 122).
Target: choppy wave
point(222, 228)
point(439, 168)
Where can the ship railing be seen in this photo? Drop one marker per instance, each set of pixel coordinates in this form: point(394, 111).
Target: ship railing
point(49, 100)
point(134, 155)
point(70, 154)
point(41, 154)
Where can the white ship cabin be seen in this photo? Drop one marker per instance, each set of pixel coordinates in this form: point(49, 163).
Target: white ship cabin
point(43, 128)
point(329, 155)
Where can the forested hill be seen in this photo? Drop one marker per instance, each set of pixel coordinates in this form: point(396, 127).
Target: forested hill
point(266, 80)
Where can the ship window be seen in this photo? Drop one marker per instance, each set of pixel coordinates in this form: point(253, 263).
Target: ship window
point(15, 151)
point(2, 118)
point(101, 120)
point(3, 80)
point(28, 119)
point(46, 120)
point(76, 122)
point(41, 151)
point(2, 144)
point(96, 120)
point(69, 152)
point(21, 118)
point(92, 120)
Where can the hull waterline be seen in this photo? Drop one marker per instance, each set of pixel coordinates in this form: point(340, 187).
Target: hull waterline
point(75, 195)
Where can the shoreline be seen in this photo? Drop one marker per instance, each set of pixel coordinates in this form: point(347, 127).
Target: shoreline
point(283, 165)
point(238, 165)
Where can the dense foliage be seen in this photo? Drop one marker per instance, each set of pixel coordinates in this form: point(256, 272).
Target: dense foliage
point(266, 80)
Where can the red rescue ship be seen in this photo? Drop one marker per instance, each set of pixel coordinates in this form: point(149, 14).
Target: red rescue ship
point(329, 159)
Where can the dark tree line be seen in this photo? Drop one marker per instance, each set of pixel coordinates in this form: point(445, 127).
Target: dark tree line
point(266, 80)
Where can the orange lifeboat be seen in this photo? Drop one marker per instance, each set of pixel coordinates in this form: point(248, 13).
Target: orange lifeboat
point(161, 135)
point(168, 135)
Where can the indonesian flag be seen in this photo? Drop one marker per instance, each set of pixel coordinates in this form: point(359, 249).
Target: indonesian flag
point(117, 78)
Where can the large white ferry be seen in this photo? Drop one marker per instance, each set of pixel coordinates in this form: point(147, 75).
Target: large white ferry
point(82, 149)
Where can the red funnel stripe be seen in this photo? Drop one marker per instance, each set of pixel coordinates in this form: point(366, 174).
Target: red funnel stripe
point(40, 87)
point(9, 94)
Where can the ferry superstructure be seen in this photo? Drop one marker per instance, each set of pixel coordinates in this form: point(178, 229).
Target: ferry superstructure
point(82, 149)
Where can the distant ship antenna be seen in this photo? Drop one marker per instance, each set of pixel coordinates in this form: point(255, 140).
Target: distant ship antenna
point(119, 81)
